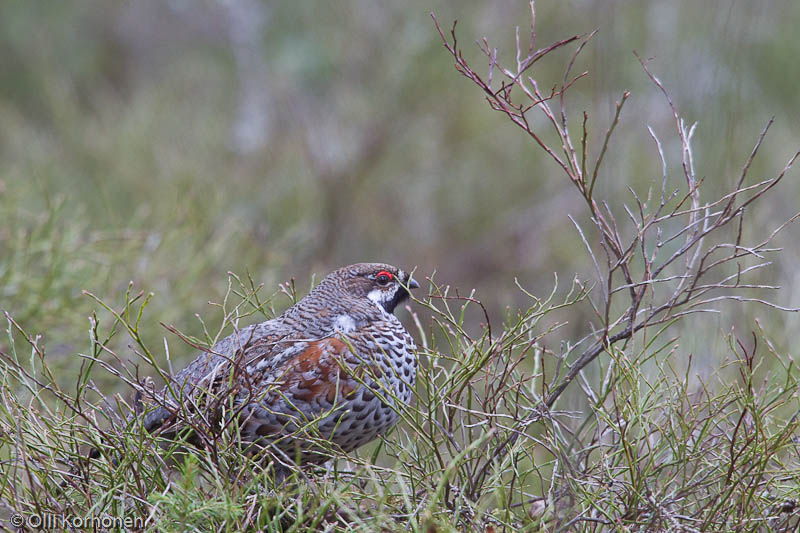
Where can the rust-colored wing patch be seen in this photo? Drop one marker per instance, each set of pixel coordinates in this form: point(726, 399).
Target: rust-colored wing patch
point(319, 374)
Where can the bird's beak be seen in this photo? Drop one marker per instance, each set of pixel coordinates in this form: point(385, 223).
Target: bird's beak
point(412, 283)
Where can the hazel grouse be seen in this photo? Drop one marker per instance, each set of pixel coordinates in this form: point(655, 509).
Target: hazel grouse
point(332, 367)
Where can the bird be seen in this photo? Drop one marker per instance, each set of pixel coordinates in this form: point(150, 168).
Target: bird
point(332, 369)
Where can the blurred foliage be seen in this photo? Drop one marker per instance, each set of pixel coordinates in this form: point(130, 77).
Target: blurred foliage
point(120, 158)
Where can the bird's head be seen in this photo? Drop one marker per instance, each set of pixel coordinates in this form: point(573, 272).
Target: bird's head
point(383, 285)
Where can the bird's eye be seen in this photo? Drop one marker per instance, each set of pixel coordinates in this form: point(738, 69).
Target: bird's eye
point(383, 277)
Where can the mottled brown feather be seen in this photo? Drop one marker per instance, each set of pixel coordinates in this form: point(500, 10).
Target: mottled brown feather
point(338, 358)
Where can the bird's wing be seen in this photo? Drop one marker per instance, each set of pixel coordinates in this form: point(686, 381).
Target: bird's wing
point(309, 370)
point(212, 368)
point(313, 380)
point(284, 373)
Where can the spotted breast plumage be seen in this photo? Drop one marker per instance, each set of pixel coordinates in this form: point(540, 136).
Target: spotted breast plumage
point(331, 367)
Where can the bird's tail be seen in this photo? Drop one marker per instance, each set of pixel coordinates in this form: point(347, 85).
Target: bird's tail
point(155, 419)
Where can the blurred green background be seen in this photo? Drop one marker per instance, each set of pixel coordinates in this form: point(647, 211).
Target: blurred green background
point(170, 142)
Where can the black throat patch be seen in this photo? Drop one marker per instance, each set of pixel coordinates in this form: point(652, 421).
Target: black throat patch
point(400, 295)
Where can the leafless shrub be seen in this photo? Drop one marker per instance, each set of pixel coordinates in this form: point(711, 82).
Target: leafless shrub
point(679, 259)
point(656, 260)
